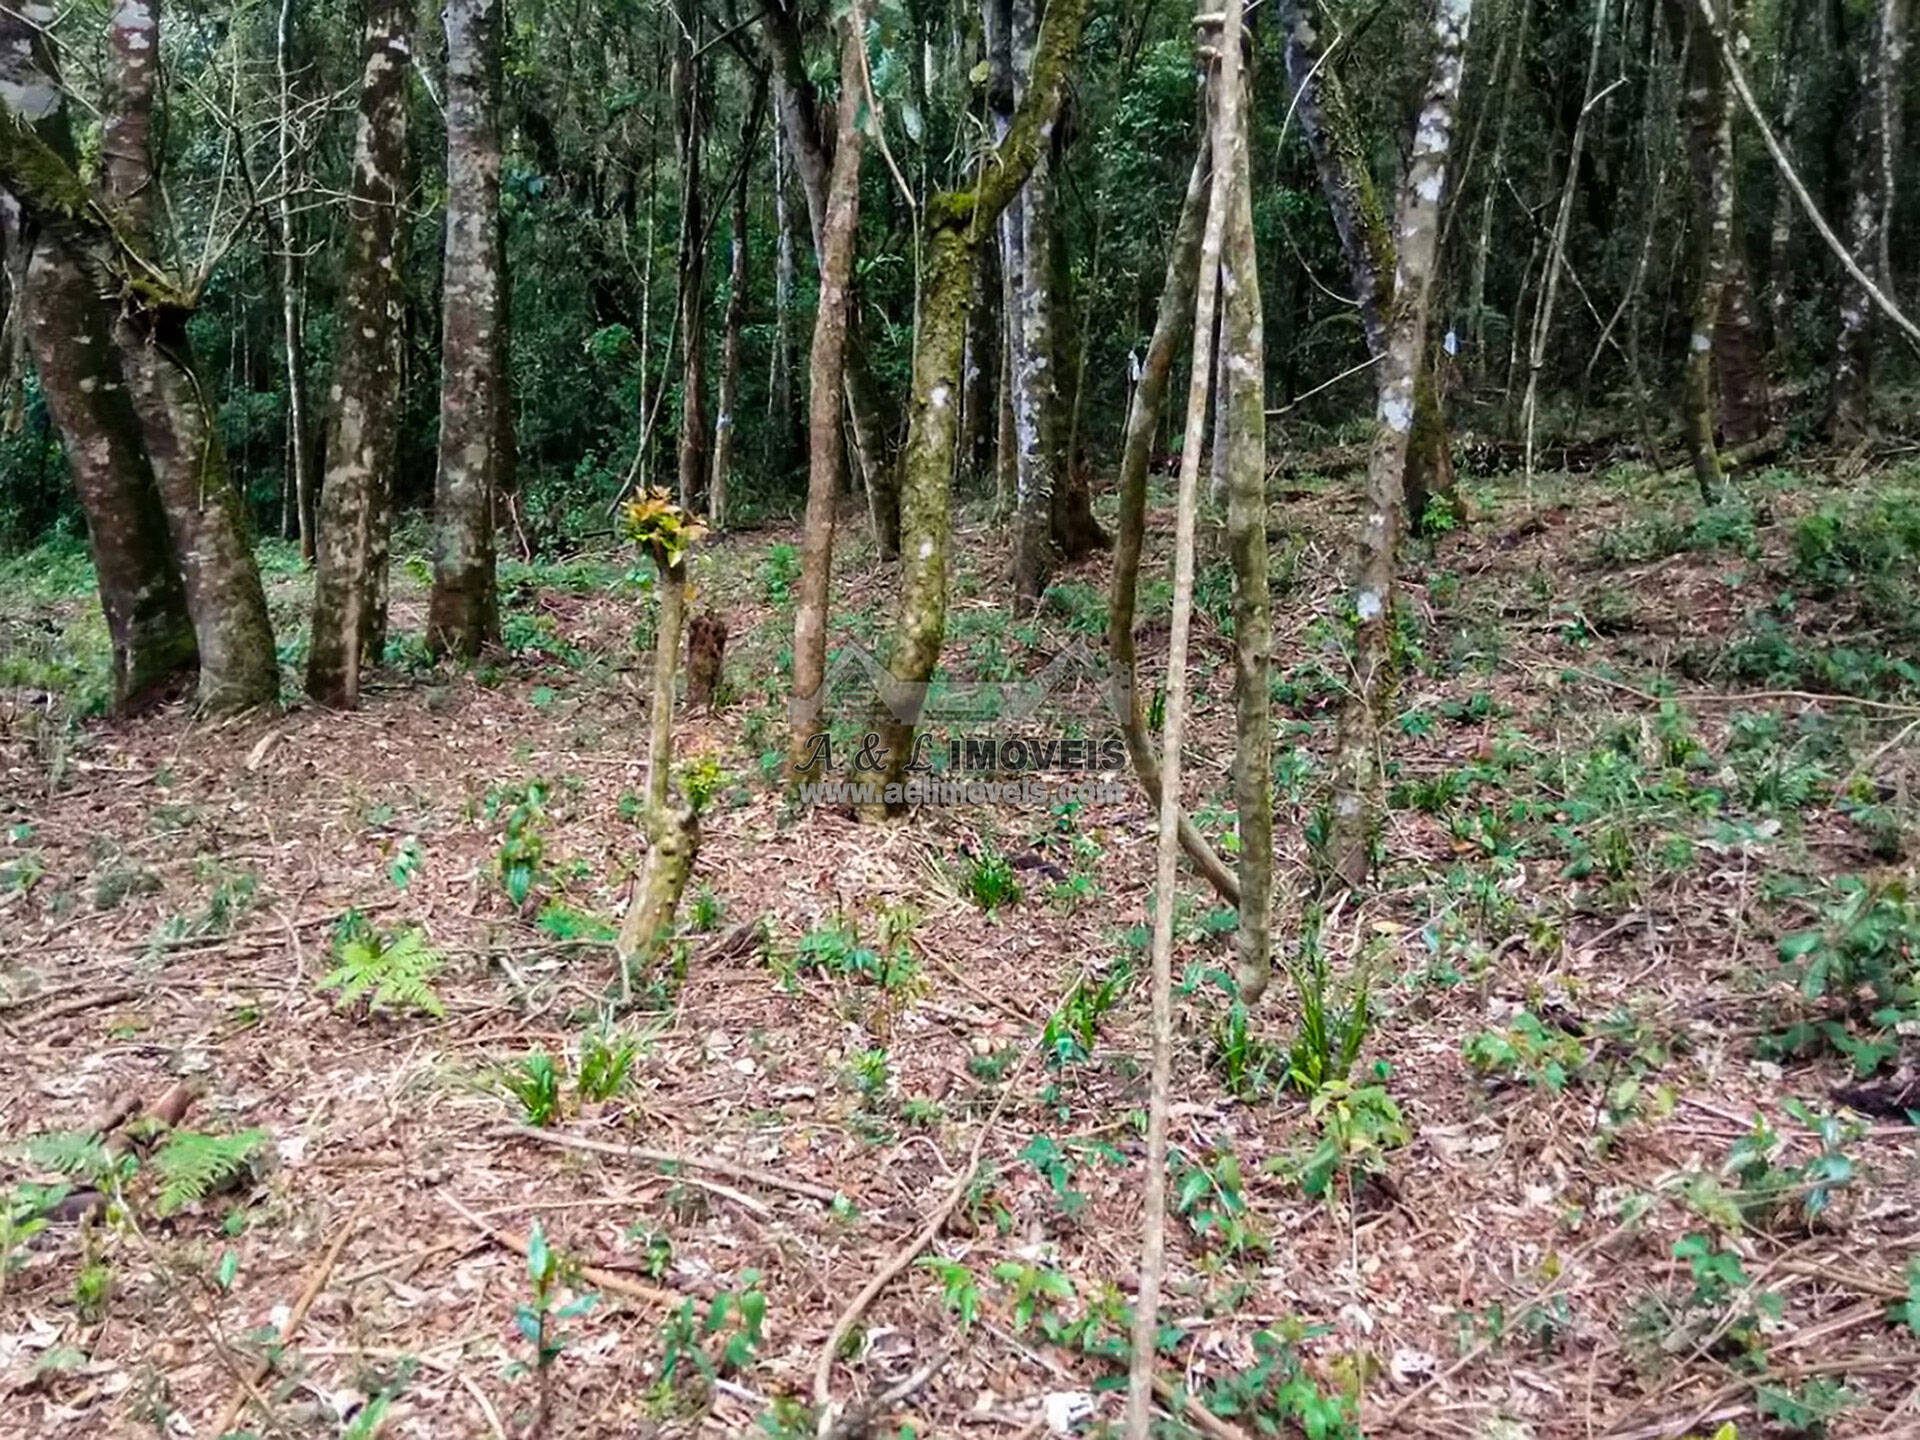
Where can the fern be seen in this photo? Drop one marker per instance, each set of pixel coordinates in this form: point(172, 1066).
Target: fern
point(192, 1165)
point(71, 1152)
point(396, 974)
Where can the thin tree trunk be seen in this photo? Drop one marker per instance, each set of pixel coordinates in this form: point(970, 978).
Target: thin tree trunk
point(866, 413)
point(362, 428)
point(958, 223)
point(1326, 117)
point(293, 303)
point(1172, 323)
point(212, 539)
point(463, 614)
point(1483, 247)
point(689, 120)
point(1224, 88)
point(781, 407)
point(1356, 763)
point(1243, 401)
point(826, 461)
point(1876, 139)
point(1707, 112)
point(1036, 389)
point(1557, 244)
point(1793, 84)
point(730, 328)
point(1005, 443)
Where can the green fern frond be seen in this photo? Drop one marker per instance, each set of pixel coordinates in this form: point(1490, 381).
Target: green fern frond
point(71, 1152)
point(192, 1164)
point(389, 973)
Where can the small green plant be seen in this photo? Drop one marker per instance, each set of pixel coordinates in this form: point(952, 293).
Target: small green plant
point(1358, 1126)
point(1862, 966)
point(706, 910)
point(1526, 1051)
point(1071, 1030)
point(1331, 1033)
point(518, 859)
point(834, 948)
point(394, 973)
point(23, 1214)
point(734, 1325)
point(1209, 1195)
point(991, 881)
point(959, 1291)
point(1806, 1409)
point(535, 1083)
point(1243, 1060)
point(606, 1061)
point(870, 1075)
point(191, 1165)
point(779, 571)
point(537, 1317)
point(1277, 1394)
point(1033, 1291)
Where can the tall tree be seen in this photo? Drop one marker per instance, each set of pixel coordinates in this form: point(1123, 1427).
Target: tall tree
point(686, 80)
point(284, 234)
point(1340, 156)
point(728, 399)
point(212, 539)
point(1707, 114)
point(65, 329)
point(1423, 188)
point(958, 223)
point(826, 464)
point(799, 117)
point(1876, 143)
point(356, 502)
point(475, 400)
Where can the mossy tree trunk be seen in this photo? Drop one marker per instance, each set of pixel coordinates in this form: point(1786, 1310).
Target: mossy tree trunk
point(958, 223)
point(212, 538)
point(673, 834)
point(463, 614)
point(1356, 776)
point(363, 423)
point(826, 462)
point(65, 329)
point(1339, 155)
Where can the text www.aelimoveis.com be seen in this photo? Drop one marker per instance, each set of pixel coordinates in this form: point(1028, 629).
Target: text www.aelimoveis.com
point(1027, 790)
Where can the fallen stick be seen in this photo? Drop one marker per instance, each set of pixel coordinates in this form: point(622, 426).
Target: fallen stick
point(1199, 1414)
point(592, 1274)
point(80, 1004)
point(859, 1417)
point(749, 1173)
point(902, 1258)
point(295, 1318)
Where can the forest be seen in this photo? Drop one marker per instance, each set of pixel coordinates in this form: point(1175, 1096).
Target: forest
point(916, 718)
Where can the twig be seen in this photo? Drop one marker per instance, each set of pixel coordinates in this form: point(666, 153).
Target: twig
point(295, 1318)
point(592, 1274)
point(902, 1258)
point(1184, 1402)
point(81, 1003)
point(859, 1417)
point(432, 1362)
point(749, 1173)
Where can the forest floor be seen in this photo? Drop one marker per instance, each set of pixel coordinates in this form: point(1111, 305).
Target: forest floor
point(1590, 1174)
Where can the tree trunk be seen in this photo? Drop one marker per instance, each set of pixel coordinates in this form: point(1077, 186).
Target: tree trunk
point(825, 457)
point(1172, 323)
point(865, 411)
point(1793, 88)
point(362, 428)
point(1224, 85)
point(1876, 141)
point(212, 539)
point(1356, 767)
point(958, 223)
point(1483, 246)
point(1243, 370)
point(1707, 110)
point(689, 130)
point(65, 329)
point(1036, 388)
point(730, 328)
point(782, 409)
point(1339, 155)
point(293, 300)
point(463, 615)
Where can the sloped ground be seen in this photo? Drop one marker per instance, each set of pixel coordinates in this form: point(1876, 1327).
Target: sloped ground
point(1583, 1180)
